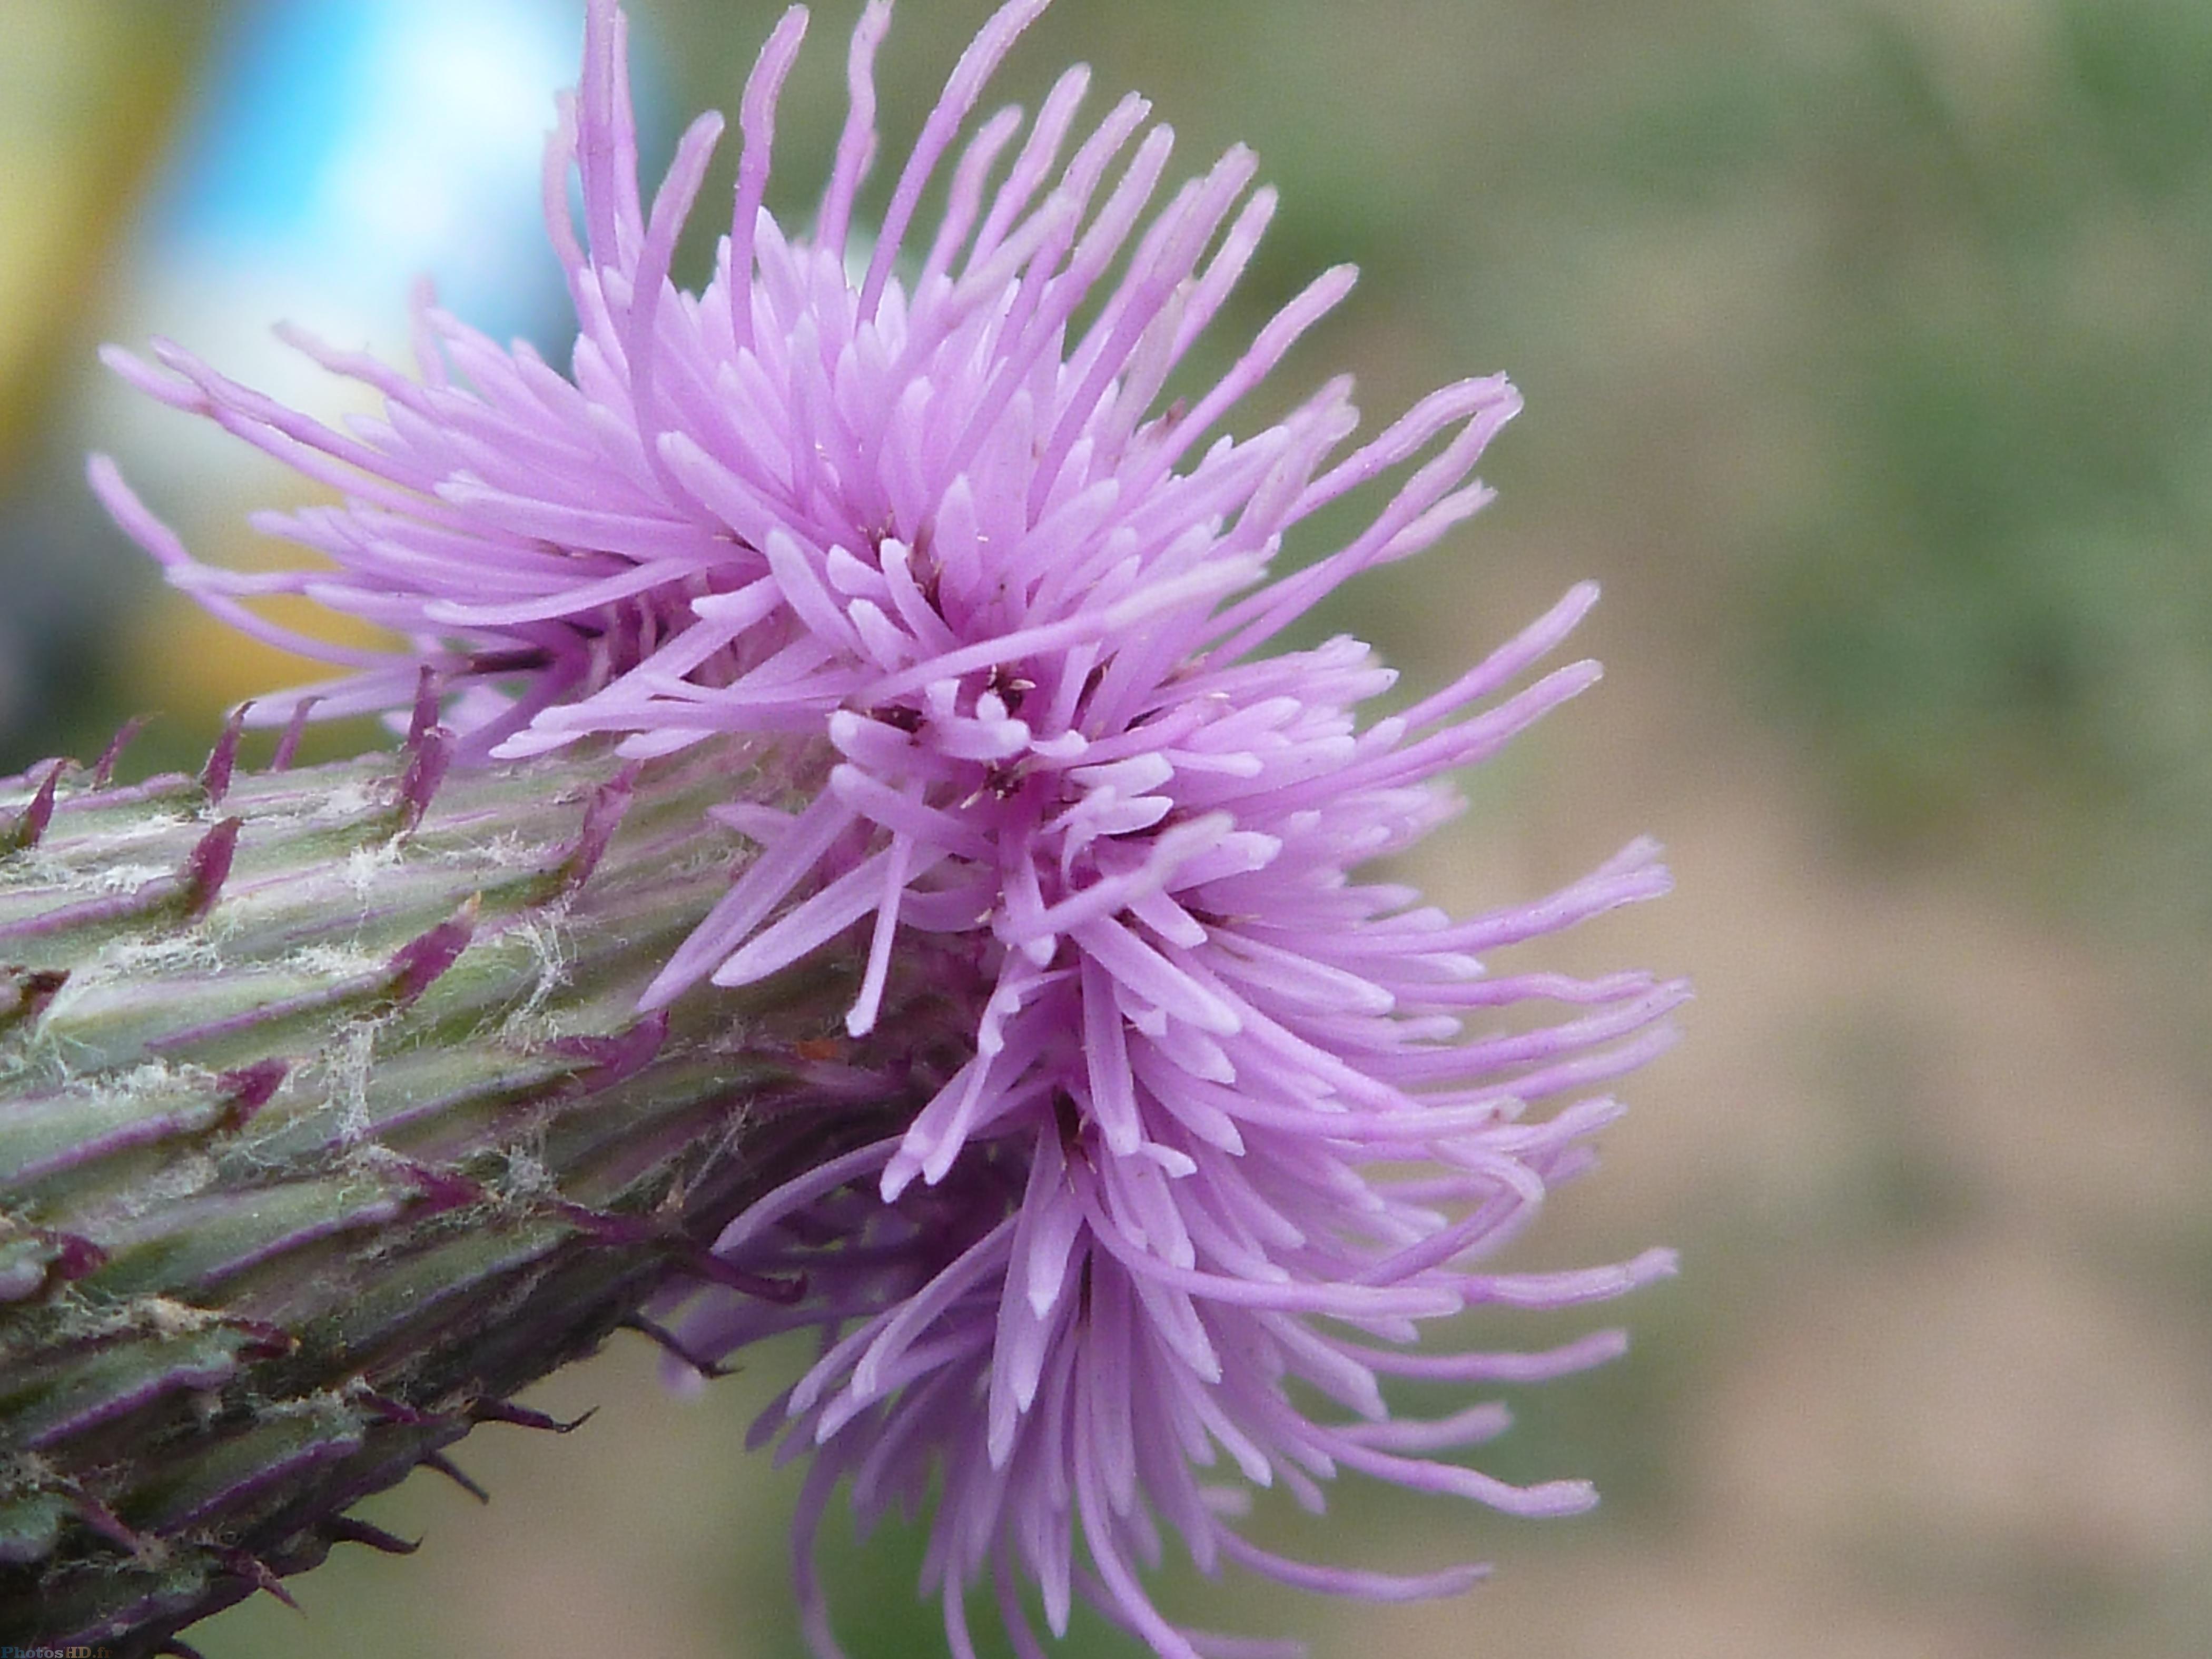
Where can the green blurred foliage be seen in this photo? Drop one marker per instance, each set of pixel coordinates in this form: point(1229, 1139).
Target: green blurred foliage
point(2001, 605)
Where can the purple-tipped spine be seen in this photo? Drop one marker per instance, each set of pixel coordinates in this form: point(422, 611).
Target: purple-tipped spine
point(423, 959)
point(209, 868)
point(222, 759)
point(103, 769)
point(287, 746)
point(23, 828)
point(429, 754)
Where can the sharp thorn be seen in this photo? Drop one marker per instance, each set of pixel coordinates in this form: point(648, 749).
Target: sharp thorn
point(222, 759)
point(711, 1268)
point(394, 1411)
point(488, 1410)
point(425, 717)
point(250, 1088)
point(22, 829)
point(105, 1522)
point(350, 1530)
point(427, 758)
point(208, 866)
point(295, 729)
point(443, 1188)
point(618, 1058)
point(104, 768)
point(250, 1566)
point(669, 1343)
point(451, 1471)
point(603, 816)
point(417, 964)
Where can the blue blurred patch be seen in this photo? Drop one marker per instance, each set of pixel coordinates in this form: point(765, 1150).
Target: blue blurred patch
point(285, 88)
point(344, 148)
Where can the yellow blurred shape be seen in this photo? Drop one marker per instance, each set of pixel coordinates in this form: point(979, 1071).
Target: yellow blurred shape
point(85, 87)
point(184, 662)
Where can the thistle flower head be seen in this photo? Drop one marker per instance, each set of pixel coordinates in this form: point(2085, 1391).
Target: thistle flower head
point(1231, 1118)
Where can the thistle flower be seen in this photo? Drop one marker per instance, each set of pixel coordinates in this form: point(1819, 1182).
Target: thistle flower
point(917, 507)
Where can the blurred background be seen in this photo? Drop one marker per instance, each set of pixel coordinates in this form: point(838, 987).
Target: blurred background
point(1867, 352)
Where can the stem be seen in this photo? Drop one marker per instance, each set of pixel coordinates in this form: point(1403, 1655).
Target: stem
point(327, 1123)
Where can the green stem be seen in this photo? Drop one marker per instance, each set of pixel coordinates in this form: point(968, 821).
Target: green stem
point(327, 1123)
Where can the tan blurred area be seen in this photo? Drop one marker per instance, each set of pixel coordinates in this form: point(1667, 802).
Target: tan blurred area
point(1868, 351)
